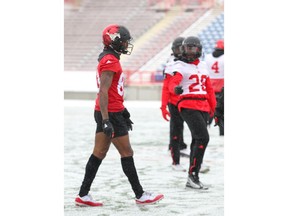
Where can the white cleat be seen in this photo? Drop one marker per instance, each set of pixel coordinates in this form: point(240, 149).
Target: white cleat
point(193, 182)
point(149, 198)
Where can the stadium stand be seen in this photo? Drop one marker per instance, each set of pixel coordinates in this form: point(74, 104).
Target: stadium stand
point(174, 23)
point(84, 23)
point(153, 24)
point(212, 33)
point(83, 28)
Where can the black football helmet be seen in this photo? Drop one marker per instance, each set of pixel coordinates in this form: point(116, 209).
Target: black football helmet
point(118, 38)
point(176, 46)
point(192, 48)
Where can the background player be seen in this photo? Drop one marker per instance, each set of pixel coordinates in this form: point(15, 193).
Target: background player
point(169, 99)
point(215, 62)
point(219, 112)
point(197, 100)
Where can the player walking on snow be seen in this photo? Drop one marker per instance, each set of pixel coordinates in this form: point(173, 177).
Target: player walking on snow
point(112, 118)
point(197, 100)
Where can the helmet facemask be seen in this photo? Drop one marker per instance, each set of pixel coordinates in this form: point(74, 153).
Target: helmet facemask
point(124, 47)
point(177, 51)
point(192, 53)
point(192, 48)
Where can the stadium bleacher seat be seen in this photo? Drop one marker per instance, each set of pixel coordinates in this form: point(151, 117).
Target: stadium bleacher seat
point(213, 32)
point(83, 28)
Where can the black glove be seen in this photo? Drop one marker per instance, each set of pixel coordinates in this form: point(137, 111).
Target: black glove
point(126, 115)
point(178, 90)
point(108, 128)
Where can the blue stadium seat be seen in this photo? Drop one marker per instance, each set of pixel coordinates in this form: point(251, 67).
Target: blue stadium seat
point(213, 32)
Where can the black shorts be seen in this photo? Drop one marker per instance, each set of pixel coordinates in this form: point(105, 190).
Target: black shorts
point(116, 118)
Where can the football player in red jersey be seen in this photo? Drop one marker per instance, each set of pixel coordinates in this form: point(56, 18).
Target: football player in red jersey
point(197, 100)
point(112, 118)
point(215, 62)
point(170, 99)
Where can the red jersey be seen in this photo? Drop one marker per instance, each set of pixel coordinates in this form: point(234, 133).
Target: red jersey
point(116, 91)
point(198, 92)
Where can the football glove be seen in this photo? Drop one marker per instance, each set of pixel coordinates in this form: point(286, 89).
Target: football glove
point(129, 123)
point(165, 113)
point(108, 128)
point(178, 90)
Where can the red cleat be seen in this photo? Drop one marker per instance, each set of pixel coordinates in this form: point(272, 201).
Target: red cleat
point(87, 201)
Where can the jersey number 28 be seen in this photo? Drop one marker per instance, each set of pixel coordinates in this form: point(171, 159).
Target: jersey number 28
point(198, 83)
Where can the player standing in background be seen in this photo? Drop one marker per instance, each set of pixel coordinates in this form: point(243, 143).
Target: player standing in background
point(169, 99)
point(197, 100)
point(219, 112)
point(112, 118)
point(215, 62)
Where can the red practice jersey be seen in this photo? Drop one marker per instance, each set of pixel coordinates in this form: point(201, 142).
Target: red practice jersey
point(198, 92)
point(116, 92)
point(216, 71)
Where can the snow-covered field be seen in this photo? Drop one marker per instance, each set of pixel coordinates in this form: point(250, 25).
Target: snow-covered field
point(149, 140)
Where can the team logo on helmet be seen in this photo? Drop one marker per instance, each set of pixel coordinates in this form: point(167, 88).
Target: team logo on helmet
point(113, 36)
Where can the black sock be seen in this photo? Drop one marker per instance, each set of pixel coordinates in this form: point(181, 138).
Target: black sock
point(90, 173)
point(130, 171)
point(175, 151)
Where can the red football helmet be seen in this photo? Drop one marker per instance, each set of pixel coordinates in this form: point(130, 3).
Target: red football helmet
point(220, 44)
point(118, 38)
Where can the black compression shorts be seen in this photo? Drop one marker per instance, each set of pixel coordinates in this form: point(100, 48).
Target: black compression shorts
point(117, 120)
